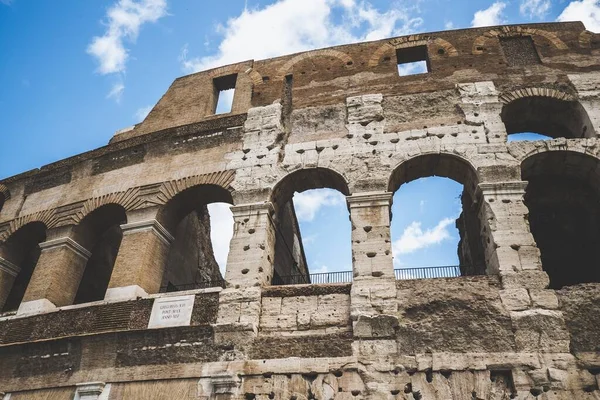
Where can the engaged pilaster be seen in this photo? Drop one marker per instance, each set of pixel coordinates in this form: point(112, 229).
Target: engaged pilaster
point(8, 274)
point(141, 260)
point(57, 275)
point(371, 244)
point(513, 253)
point(373, 295)
point(251, 254)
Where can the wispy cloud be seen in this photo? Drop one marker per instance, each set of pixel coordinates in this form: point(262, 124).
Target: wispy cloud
point(535, 8)
point(116, 91)
point(307, 204)
point(490, 16)
point(221, 232)
point(289, 26)
point(124, 20)
point(415, 238)
point(6, 2)
point(142, 113)
point(586, 11)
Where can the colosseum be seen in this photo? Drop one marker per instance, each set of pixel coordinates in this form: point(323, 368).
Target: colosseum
point(109, 288)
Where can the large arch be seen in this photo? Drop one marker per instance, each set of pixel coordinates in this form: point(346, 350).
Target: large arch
point(562, 195)
point(18, 257)
point(289, 258)
point(191, 262)
point(470, 247)
point(100, 233)
point(555, 115)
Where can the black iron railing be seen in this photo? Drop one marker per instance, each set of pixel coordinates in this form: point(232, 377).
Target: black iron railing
point(193, 286)
point(320, 278)
point(452, 271)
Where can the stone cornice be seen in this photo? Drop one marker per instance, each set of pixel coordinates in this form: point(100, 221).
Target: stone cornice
point(66, 242)
point(370, 199)
point(8, 267)
point(503, 189)
point(149, 225)
point(254, 208)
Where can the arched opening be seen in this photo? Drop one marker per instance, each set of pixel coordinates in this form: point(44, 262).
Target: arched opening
point(312, 228)
point(22, 251)
point(435, 228)
point(546, 116)
point(100, 233)
point(563, 193)
point(196, 217)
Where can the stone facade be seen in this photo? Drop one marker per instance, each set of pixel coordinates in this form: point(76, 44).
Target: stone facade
point(88, 244)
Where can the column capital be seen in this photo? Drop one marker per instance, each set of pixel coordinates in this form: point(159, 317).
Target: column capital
point(8, 267)
point(149, 225)
point(503, 189)
point(252, 208)
point(68, 243)
point(368, 199)
point(89, 390)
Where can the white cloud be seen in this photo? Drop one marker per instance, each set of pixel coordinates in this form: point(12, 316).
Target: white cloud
point(221, 232)
point(535, 8)
point(587, 11)
point(490, 16)
point(124, 20)
point(414, 238)
point(142, 113)
point(289, 26)
point(449, 25)
point(116, 92)
point(307, 204)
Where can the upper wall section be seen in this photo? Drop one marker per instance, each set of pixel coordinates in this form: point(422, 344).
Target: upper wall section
point(328, 76)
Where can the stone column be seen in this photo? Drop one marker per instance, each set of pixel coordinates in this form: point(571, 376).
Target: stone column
point(373, 295)
point(371, 244)
point(56, 276)
point(512, 253)
point(249, 266)
point(141, 260)
point(252, 248)
point(8, 274)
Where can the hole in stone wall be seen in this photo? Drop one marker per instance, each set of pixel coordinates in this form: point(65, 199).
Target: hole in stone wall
point(562, 197)
point(312, 228)
point(313, 239)
point(527, 136)
point(100, 233)
point(201, 222)
point(435, 227)
point(547, 116)
point(224, 89)
point(412, 60)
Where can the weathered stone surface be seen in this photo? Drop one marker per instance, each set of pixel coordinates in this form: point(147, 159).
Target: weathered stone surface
point(338, 118)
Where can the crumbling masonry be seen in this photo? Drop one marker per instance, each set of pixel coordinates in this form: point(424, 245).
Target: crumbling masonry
point(96, 249)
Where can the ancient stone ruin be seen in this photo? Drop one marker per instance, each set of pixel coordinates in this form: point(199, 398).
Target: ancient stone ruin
point(109, 288)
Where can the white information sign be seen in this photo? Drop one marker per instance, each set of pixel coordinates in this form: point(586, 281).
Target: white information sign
point(171, 311)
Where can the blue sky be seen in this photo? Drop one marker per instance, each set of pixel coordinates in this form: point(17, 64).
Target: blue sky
point(73, 72)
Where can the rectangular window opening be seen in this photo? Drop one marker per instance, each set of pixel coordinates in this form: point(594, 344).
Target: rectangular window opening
point(224, 89)
point(413, 61)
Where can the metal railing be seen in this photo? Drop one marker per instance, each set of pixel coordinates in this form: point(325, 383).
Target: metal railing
point(320, 278)
point(452, 271)
point(193, 286)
